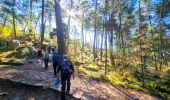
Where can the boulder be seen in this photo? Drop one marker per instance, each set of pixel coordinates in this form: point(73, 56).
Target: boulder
point(14, 44)
point(31, 51)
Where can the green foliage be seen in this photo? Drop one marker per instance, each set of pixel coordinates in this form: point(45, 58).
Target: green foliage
point(7, 31)
point(20, 53)
point(3, 48)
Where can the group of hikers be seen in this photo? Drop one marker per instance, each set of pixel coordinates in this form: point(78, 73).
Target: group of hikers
point(61, 64)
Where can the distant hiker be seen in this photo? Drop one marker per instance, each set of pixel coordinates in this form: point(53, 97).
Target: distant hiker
point(53, 49)
point(46, 59)
point(39, 52)
point(56, 61)
point(67, 70)
point(49, 49)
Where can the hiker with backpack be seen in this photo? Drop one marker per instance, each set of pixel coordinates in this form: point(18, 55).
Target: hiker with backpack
point(56, 59)
point(54, 49)
point(39, 52)
point(49, 49)
point(66, 70)
point(46, 59)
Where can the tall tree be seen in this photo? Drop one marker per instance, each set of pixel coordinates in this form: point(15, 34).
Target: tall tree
point(13, 18)
point(59, 25)
point(95, 32)
point(42, 24)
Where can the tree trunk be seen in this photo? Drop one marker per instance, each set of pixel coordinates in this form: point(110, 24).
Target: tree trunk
point(13, 19)
point(82, 31)
point(30, 17)
point(156, 67)
point(106, 53)
point(96, 43)
point(95, 34)
point(141, 49)
point(111, 41)
point(162, 44)
point(59, 24)
point(101, 47)
point(121, 35)
point(42, 25)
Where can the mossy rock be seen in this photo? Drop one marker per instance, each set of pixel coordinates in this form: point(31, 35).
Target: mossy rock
point(20, 53)
point(14, 44)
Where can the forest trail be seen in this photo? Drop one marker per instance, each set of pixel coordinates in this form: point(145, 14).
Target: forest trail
point(84, 88)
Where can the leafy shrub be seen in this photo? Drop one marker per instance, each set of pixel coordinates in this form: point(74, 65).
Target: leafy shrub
point(3, 48)
point(20, 53)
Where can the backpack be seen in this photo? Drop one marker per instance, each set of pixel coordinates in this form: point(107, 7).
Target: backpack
point(56, 58)
point(66, 67)
point(46, 56)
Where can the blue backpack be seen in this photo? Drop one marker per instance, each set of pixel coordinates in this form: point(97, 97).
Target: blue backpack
point(56, 58)
point(66, 67)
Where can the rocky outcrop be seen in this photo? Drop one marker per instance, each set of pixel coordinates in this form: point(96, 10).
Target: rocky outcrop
point(14, 44)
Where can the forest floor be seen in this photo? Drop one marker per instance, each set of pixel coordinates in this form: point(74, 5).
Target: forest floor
point(82, 87)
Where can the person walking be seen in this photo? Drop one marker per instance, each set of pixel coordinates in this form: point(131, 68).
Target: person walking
point(46, 59)
point(66, 70)
point(39, 52)
point(56, 61)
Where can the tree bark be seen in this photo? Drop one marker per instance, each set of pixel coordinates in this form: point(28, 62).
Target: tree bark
point(101, 45)
point(94, 41)
point(42, 25)
point(106, 53)
point(30, 17)
point(82, 31)
point(111, 41)
point(13, 19)
point(59, 24)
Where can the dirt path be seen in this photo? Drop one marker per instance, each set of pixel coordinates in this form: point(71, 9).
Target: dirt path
point(35, 74)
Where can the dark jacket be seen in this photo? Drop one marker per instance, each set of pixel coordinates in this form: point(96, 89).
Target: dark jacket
point(56, 58)
point(71, 66)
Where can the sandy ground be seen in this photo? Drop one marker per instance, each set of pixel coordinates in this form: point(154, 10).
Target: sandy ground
point(81, 87)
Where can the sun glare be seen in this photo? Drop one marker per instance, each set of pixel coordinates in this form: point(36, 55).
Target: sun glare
point(71, 12)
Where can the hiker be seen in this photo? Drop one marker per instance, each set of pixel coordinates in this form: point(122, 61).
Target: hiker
point(49, 49)
point(46, 59)
point(66, 70)
point(39, 52)
point(53, 49)
point(56, 61)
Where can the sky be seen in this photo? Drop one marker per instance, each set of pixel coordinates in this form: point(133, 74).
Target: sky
point(76, 22)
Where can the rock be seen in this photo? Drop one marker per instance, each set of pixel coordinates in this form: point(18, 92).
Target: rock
point(17, 98)
point(14, 44)
point(134, 98)
point(3, 94)
point(31, 51)
point(30, 61)
point(12, 63)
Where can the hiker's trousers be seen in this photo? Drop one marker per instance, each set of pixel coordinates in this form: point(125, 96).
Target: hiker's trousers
point(65, 81)
point(55, 64)
point(46, 63)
